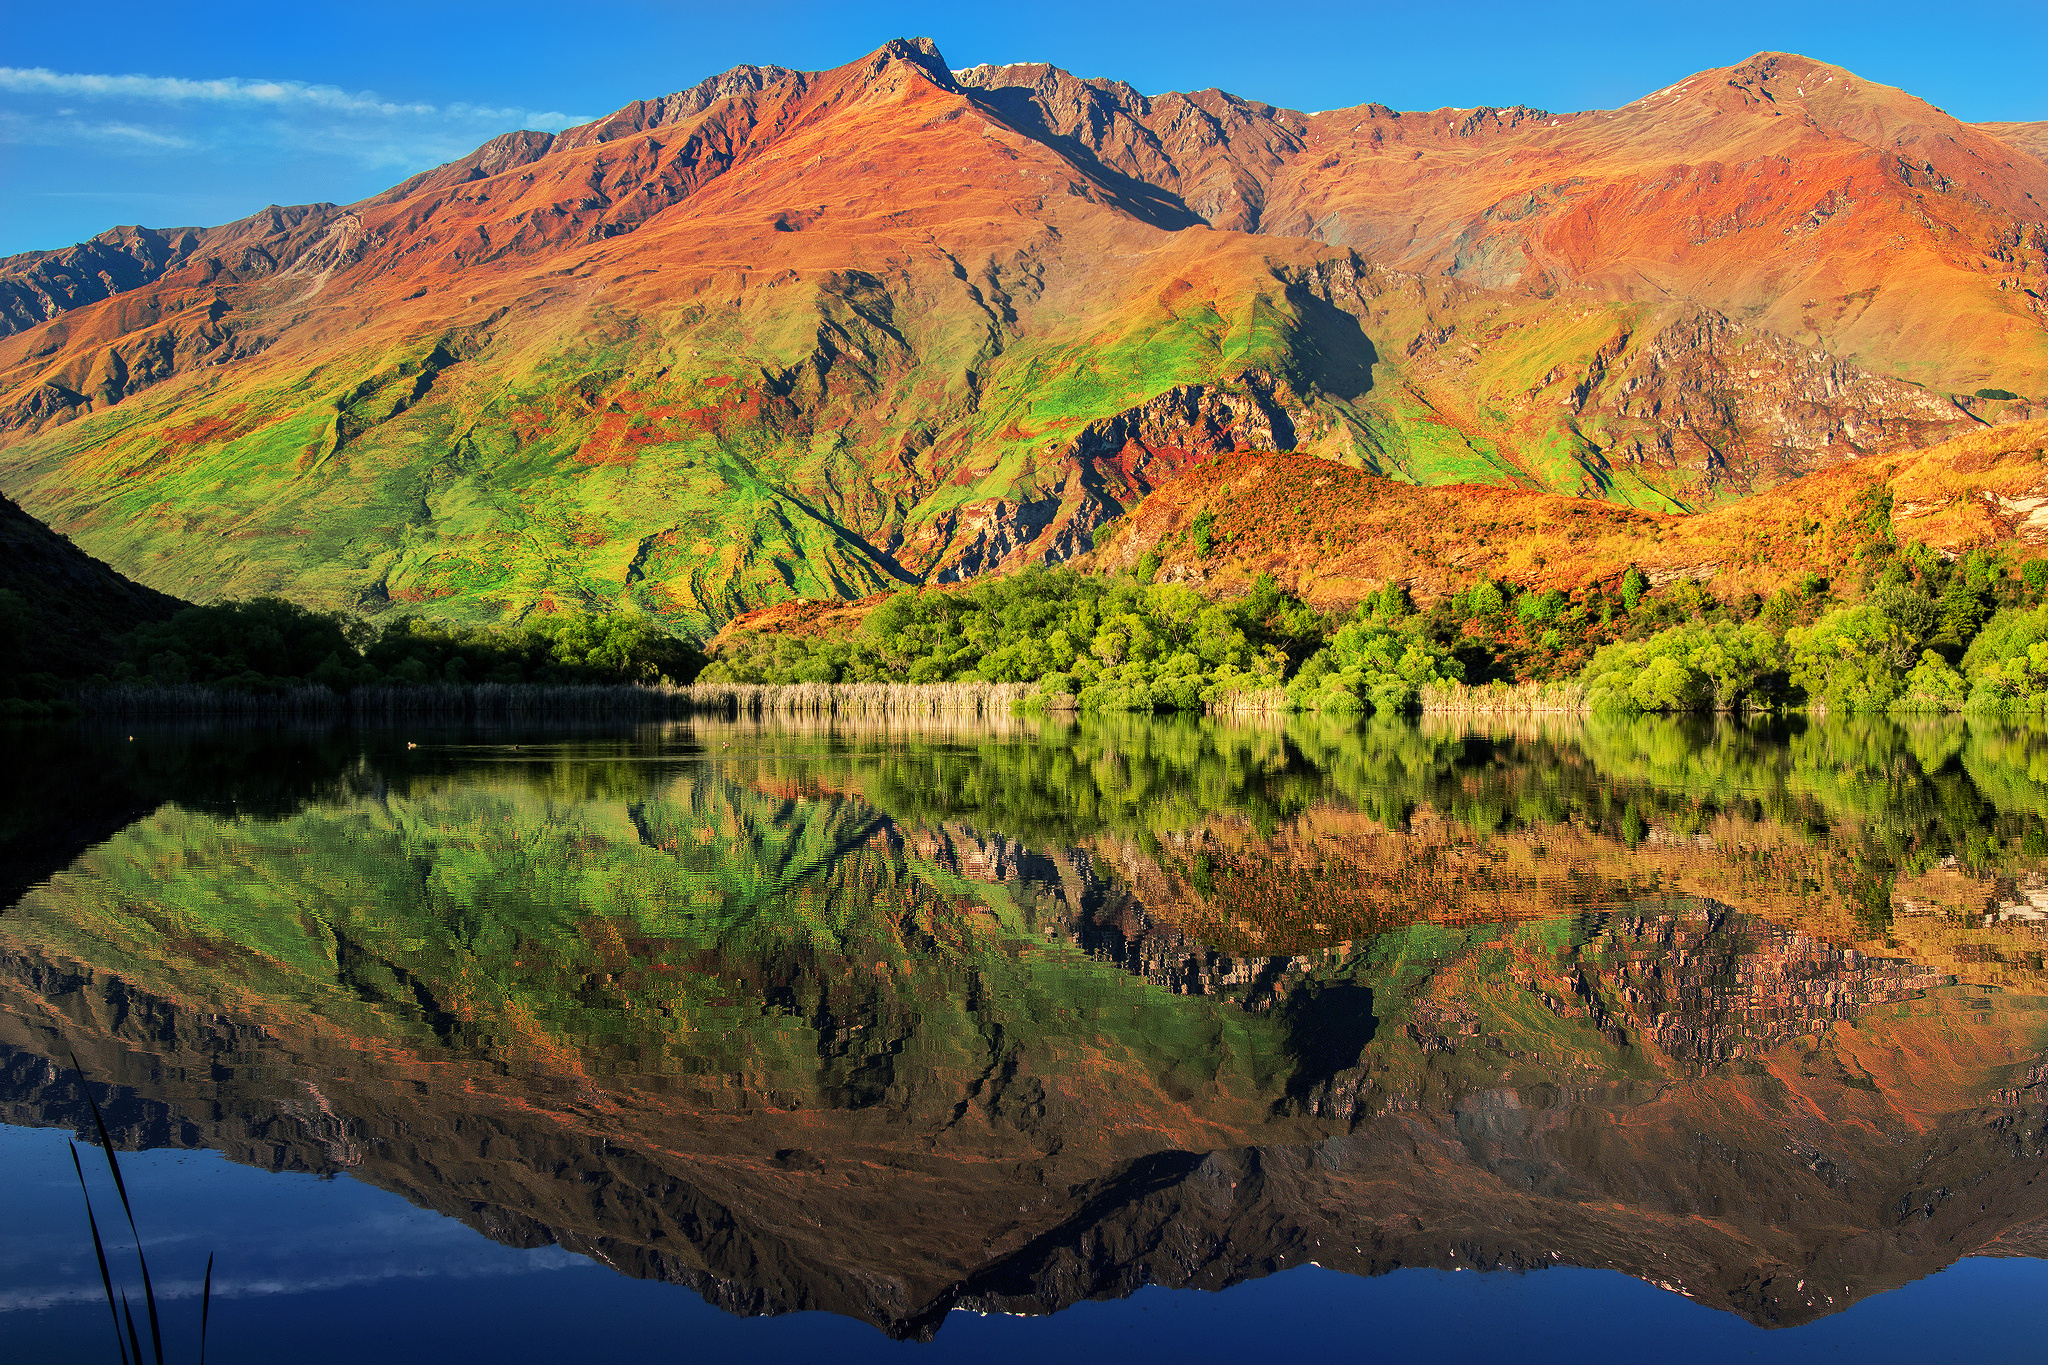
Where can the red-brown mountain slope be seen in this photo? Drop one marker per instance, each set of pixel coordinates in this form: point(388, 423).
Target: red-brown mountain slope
point(2031, 138)
point(1832, 210)
point(1337, 535)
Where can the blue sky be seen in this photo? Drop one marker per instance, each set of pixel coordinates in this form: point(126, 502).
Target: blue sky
point(139, 113)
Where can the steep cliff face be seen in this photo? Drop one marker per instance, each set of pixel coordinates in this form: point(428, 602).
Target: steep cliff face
point(795, 334)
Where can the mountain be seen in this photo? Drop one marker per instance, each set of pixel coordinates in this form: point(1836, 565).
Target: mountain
point(2031, 138)
point(798, 335)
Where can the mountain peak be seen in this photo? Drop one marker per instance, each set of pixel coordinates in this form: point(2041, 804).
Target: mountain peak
point(921, 53)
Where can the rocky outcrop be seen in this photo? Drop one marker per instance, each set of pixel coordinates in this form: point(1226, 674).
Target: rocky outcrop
point(1112, 464)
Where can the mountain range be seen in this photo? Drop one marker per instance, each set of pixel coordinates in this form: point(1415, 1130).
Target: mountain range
point(812, 334)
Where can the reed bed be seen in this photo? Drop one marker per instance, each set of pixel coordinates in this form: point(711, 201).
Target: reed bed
point(865, 725)
point(540, 701)
point(1504, 699)
point(1252, 702)
point(1525, 726)
point(859, 699)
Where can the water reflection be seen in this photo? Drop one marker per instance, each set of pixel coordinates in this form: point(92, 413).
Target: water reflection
point(892, 1022)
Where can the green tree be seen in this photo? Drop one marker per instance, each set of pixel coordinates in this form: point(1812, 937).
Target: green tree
point(1696, 666)
point(1633, 585)
point(1856, 658)
point(1371, 664)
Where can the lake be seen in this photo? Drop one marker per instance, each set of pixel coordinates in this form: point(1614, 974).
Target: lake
point(1111, 1038)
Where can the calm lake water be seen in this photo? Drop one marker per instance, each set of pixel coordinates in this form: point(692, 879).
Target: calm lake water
point(1123, 1039)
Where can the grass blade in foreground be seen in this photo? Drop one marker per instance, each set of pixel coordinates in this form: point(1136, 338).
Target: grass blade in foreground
point(106, 1278)
point(156, 1335)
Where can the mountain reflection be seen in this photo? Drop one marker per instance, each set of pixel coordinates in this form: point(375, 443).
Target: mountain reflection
point(889, 1023)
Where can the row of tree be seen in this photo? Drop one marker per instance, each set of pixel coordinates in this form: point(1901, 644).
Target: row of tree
point(270, 643)
point(1915, 630)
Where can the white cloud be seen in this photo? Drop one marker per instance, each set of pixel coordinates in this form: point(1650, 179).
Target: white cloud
point(65, 128)
point(243, 123)
point(236, 90)
point(492, 1265)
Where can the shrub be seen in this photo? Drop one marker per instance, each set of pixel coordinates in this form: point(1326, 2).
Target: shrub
point(1633, 585)
point(1933, 685)
point(1540, 608)
point(268, 642)
point(1857, 658)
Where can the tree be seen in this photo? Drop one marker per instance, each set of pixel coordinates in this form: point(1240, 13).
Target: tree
point(1371, 664)
point(1697, 666)
point(1633, 585)
point(1856, 658)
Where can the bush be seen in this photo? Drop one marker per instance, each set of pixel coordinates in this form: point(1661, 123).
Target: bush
point(1933, 685)
point(264, 638)
point(1857, 658)
point(1633, 585)
point(2006, 666)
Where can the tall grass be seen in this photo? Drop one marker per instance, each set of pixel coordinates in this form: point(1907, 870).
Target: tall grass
point(1251, 702)
point(130, 1348)
point(1504, 699)
point(540, 701)
point(858, 699)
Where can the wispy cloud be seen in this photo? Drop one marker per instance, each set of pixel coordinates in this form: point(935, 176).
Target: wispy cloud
point(234, 119)
point(37, 80)
point(29, 1298)
point(65, 127)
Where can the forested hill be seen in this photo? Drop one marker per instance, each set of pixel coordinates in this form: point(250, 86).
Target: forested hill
point(60, 609)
